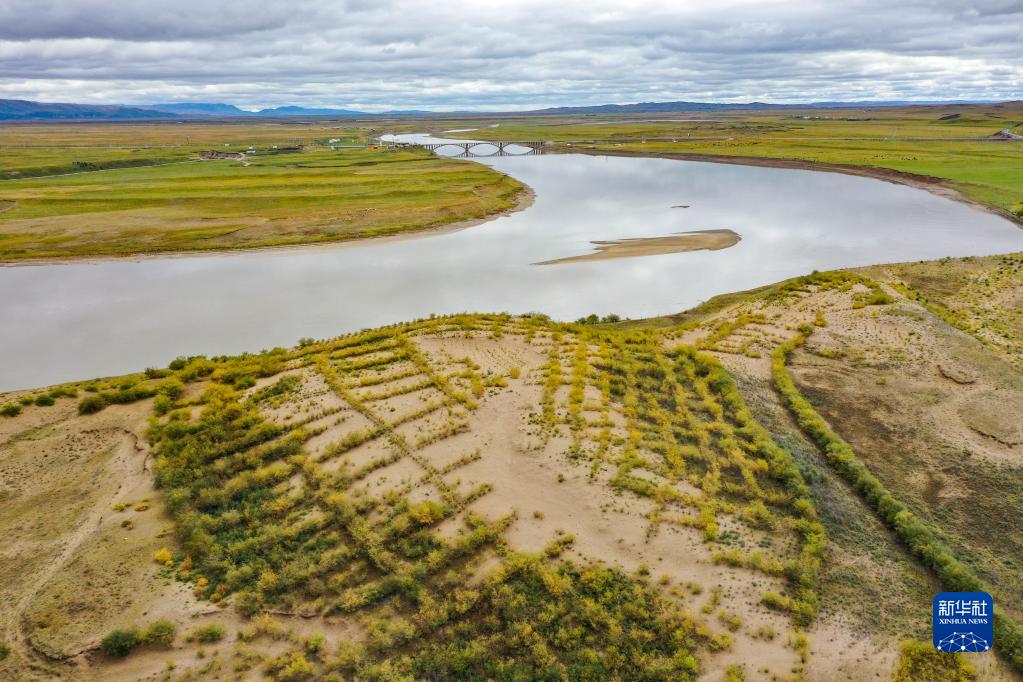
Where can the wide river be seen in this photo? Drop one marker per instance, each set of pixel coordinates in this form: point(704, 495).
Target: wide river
point(81, 320)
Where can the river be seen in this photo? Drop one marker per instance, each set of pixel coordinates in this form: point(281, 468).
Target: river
point(70, 321)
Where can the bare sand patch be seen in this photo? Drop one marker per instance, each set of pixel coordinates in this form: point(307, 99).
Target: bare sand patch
point(995, 414)
point(697, 240)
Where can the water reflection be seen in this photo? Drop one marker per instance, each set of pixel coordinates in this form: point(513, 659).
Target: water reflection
point(73, 321)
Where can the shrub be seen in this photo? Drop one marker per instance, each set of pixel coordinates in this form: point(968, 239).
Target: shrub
point(91, 404)
point(162, 404)
point(11, 410)
point(291, 667)
point(921, 661)
point(162, 556)
point(45, 400)
point(119, 643)
point(314, 644)
point(160, 633)
point(172, 388)
point(775, 601)
point(207, 634)
point(734, 673)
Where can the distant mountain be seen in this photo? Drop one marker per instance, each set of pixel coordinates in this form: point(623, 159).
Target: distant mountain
point(227, 110)
point(669, 107)
point(303, 111)
point(201, 109)
point(25, 110)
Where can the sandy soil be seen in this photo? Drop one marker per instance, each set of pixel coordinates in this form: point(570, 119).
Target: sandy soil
point(697, 240)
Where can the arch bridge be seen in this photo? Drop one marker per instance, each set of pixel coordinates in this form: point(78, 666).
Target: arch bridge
point(483, 149)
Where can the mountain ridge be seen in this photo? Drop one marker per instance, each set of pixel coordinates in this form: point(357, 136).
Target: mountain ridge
point(28, 110)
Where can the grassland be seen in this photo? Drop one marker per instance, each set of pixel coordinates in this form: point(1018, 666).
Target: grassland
point(51, 149)
point(513, 498)
point(146, 198)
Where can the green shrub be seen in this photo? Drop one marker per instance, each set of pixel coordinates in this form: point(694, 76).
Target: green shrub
point(45, 400)
point(119, 643)
point(172, 388)
point(160, 633)
point(128, 394)
point(11, 410)
point(162, 404)
point(91, 404)
point(314, 644)
point(207, 634)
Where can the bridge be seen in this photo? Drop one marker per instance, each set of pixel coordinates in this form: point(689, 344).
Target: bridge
point(482, 149)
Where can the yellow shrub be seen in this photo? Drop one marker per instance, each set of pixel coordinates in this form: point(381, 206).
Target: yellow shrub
point(921, 662)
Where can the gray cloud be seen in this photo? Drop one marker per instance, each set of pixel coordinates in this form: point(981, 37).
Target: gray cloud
point(510, 53)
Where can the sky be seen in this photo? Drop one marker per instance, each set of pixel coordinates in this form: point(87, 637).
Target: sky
point(374, 55)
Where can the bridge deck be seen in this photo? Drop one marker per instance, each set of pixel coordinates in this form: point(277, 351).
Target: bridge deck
point(484, 148)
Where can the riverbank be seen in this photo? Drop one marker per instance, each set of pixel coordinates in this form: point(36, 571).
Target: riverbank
point(312, 197)
point(523, 200)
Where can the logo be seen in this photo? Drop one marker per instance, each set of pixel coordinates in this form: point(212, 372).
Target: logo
point(963, 621)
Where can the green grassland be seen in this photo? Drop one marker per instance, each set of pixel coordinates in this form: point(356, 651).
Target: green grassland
point(28, 150)
point(271, 200)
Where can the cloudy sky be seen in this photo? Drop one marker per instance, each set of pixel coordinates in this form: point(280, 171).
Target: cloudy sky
point(507, 54)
